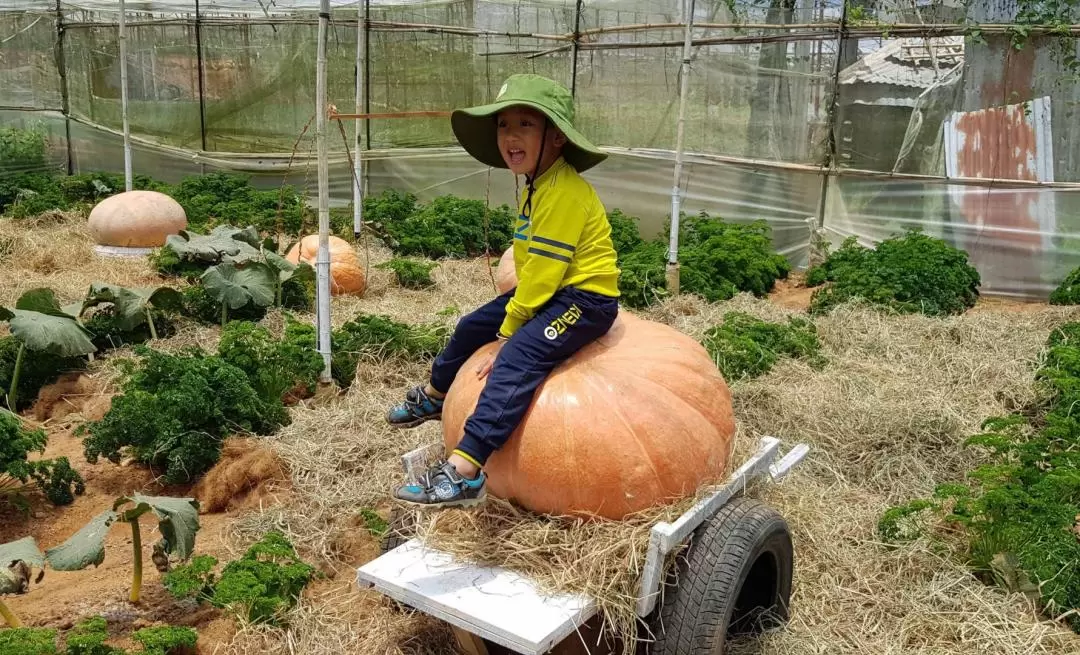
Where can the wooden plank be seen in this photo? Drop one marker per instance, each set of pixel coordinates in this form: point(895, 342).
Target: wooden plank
point(469, 643)
point(496, 604)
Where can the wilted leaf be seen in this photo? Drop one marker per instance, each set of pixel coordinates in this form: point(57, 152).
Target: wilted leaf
point(236, 287)
point(131, 304)
point(178, 521)
point(17, 560)
point(85, 547)
point(40, 300)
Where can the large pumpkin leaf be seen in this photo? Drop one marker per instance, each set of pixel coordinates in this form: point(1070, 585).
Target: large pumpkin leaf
point(178, 521)
point(85, 547)
point(224, 243)
point(236, 287)
point(131, 304)
point(39, 322)
point(17, 559)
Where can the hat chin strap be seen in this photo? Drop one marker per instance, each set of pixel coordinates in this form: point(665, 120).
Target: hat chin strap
point(536, 171)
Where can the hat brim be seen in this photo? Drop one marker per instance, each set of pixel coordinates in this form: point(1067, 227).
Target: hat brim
point(475, 131)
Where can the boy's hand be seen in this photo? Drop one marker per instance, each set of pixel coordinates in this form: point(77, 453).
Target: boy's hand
point(485, 366)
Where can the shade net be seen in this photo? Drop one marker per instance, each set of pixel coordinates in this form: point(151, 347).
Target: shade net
point(861, 133)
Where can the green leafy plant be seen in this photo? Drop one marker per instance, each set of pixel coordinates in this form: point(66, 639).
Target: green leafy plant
point(57, 480)
point(200, 305)
point(166, 640)
point(745, 347)
point(1018, 514)
point(19, 559)
point(189, 253)
point(22, 150)
point(178, 521)
point(88, 638)
point(260, 586)
point(176, 410)
point(41, 326)
point(625, 235)
point(273, 366)
point(907, 274)
point(220, 198)
point(447, 227)
point(1068, 292)
point(410, 273)
point(381, 338)
point(128, 309)
point(234, 286)
point(28, 641)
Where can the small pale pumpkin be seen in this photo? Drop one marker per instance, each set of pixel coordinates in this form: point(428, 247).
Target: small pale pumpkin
point(506, 273)
point(637, 418)
point(346, 269)
point(136, 219)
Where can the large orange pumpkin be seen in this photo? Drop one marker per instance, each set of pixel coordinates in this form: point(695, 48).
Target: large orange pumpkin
point(136, 219)
point(346, 270)
point(640, 417)
point(506, 273)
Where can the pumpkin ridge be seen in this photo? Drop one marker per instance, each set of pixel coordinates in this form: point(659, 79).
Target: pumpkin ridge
point(618, 412)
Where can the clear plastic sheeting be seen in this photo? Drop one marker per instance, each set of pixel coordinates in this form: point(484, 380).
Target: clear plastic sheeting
point(870, 120)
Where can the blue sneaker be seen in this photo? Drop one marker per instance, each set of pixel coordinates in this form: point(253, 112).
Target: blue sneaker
point(443, 486)
point(417, 408)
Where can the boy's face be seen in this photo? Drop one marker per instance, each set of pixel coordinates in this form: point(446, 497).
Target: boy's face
point(519, 131)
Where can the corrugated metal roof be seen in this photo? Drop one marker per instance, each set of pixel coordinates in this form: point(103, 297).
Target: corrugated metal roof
point(912, 62)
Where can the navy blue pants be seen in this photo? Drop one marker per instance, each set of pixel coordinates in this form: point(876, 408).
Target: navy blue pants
point(565, 324)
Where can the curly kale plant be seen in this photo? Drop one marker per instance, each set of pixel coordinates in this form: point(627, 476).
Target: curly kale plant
point(175, 411)
point(166, 640)
point(908, 274)
point(55, 477)
point(262, 585)
point(28, 641)
point(447, 227)
point(1068, 292)
point(410, 273)
point(381, 338)
point(746, 347)
point(221, 198)
point(1020, 512)
point(273, 366)
point(717, 260)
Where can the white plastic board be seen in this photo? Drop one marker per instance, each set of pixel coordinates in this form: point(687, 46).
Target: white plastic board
point(489, 602)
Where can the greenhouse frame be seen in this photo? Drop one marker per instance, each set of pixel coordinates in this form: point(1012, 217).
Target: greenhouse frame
point(820, 117)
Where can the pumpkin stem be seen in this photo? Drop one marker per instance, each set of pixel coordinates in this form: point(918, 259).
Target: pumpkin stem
point(277, 292)
point(150, 320)
point(224, 313)
point(11, 399)
point(136, 543)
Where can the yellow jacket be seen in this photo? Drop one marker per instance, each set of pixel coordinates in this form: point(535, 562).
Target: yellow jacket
point(566, 241)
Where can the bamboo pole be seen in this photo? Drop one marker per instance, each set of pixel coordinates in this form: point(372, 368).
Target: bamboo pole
point(358, 167)
point(65, 101)
point(200, 68)
point(684, 90)
point(322, 260)
point(124, 100)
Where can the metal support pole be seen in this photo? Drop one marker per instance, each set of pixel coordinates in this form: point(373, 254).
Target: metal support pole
point(684, 89)
point(367, 71)
point(124, 99)
point(199, 65)
point(322, 260)
point(358, 166)
point(61, 68)
point(577, 46)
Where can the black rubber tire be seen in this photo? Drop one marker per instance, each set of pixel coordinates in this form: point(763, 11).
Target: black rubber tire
point(734, 579)
point(401, 527)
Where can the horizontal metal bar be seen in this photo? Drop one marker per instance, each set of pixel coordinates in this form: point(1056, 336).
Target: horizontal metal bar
point(779, 470)
point(391, 114)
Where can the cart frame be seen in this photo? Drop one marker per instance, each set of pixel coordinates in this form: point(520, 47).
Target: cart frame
point(508, 609)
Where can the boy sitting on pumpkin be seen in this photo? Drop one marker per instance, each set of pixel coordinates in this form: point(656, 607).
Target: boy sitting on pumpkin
point(565, 261)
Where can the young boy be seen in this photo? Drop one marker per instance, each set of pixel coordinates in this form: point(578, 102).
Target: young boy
point(566, 268)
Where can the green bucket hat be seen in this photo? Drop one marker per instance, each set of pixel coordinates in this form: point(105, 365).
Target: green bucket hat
point(475, 127)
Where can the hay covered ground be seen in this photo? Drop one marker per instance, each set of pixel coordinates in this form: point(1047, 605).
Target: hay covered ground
point(885, 418)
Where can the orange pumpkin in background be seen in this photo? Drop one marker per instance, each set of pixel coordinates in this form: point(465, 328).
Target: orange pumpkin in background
point(136, 219)
point(640, 417)
point(346, 270)
point(506, 273)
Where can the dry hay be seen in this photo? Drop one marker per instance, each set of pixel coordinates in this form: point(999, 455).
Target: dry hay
point(245, 469)
point(73, 393)
point(337, 618)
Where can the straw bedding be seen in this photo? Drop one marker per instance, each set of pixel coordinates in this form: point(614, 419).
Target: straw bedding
point(884, 418)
